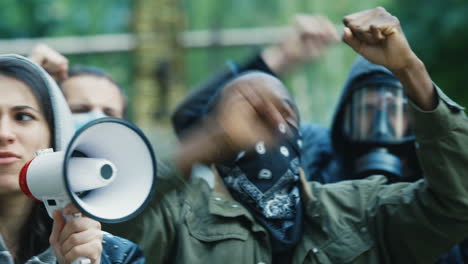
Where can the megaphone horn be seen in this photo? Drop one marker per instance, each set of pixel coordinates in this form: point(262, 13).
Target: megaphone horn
point(108, 171)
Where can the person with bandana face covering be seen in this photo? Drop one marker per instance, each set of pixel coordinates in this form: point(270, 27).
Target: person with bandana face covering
point(266, 181)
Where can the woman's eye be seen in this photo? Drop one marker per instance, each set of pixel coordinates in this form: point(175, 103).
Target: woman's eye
point(24, 117)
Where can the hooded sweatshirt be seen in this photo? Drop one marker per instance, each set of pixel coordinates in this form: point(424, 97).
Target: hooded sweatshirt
point(361, 69)
point(115, 249)
point(328, 156)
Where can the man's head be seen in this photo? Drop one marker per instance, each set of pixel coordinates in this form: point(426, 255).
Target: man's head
point(91, 93)
point(265, 178)
point(253, 84)
point(377, 112)
point(372, 124)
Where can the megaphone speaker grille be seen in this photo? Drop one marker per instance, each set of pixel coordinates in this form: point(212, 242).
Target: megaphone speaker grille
point(127, 157)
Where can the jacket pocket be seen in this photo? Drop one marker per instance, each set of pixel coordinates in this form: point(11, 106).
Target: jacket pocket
point(209, 228)
point(347, 246)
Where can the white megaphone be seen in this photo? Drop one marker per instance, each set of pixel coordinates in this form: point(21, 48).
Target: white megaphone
point(108, 171)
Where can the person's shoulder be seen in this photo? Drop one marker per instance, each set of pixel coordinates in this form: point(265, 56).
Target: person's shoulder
point(120, 250)
point(315, 136)
point(349, 188)
point(308, 127)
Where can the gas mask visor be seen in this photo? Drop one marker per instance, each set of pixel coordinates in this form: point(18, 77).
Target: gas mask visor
point(377, 114)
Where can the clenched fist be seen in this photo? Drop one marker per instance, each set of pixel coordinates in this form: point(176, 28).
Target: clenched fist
point(377, 36)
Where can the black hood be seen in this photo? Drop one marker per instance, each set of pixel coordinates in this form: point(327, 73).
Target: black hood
point(360, 69)
point(344, 150)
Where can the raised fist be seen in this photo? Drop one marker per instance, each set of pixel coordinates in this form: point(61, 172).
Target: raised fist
point(53, 62)
point(377, 36)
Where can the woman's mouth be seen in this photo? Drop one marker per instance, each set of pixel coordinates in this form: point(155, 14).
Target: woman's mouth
point(8, 158)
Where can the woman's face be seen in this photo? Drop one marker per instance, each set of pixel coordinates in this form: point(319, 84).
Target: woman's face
point(23, 130)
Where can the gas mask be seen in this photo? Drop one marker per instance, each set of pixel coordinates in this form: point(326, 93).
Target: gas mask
point(82, 119)
point(377, 124)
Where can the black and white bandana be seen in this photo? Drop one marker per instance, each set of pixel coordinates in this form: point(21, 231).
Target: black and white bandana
point(266, 180)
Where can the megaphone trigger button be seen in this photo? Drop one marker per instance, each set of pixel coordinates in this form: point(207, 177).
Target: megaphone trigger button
point(78, 214)
point(43, 151)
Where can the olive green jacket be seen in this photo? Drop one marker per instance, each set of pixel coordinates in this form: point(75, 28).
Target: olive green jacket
point(362, 221)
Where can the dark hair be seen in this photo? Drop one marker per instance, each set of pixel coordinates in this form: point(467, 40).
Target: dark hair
point(34, 235)
point(81, 70)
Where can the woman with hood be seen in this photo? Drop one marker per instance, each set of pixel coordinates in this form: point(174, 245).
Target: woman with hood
point(34, 116)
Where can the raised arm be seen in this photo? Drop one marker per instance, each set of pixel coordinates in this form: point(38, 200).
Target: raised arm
point(196, 104)
point(51, 60)
point(307, 39)
point(415, 223)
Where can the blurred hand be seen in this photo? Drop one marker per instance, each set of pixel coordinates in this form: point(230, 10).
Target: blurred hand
point(250, 109)
point(79, 237)
point(249, 112)
point(53, 62)
point(310, 37)
point(377, 36)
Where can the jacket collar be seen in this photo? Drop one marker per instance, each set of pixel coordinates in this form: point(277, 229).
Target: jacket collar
point(223, 204)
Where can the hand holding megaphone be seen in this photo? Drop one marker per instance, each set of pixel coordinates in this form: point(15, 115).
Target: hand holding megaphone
point(73, 239)
point(76, 240)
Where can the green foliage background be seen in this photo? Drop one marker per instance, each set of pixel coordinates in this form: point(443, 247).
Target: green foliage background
point(317, 86)
point(49, 18)
point(436, 29)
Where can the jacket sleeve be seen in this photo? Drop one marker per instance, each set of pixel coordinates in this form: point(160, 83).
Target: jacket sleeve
point(154, 229)
point(192, 109)
point(416, 223)
point(120, 250)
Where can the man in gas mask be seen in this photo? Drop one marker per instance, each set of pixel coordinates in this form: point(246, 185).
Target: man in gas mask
point(371, 131)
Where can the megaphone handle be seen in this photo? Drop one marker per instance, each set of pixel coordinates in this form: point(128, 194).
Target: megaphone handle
point(79, 260)
point(58, 203)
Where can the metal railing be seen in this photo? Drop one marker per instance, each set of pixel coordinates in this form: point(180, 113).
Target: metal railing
point(127, 42)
